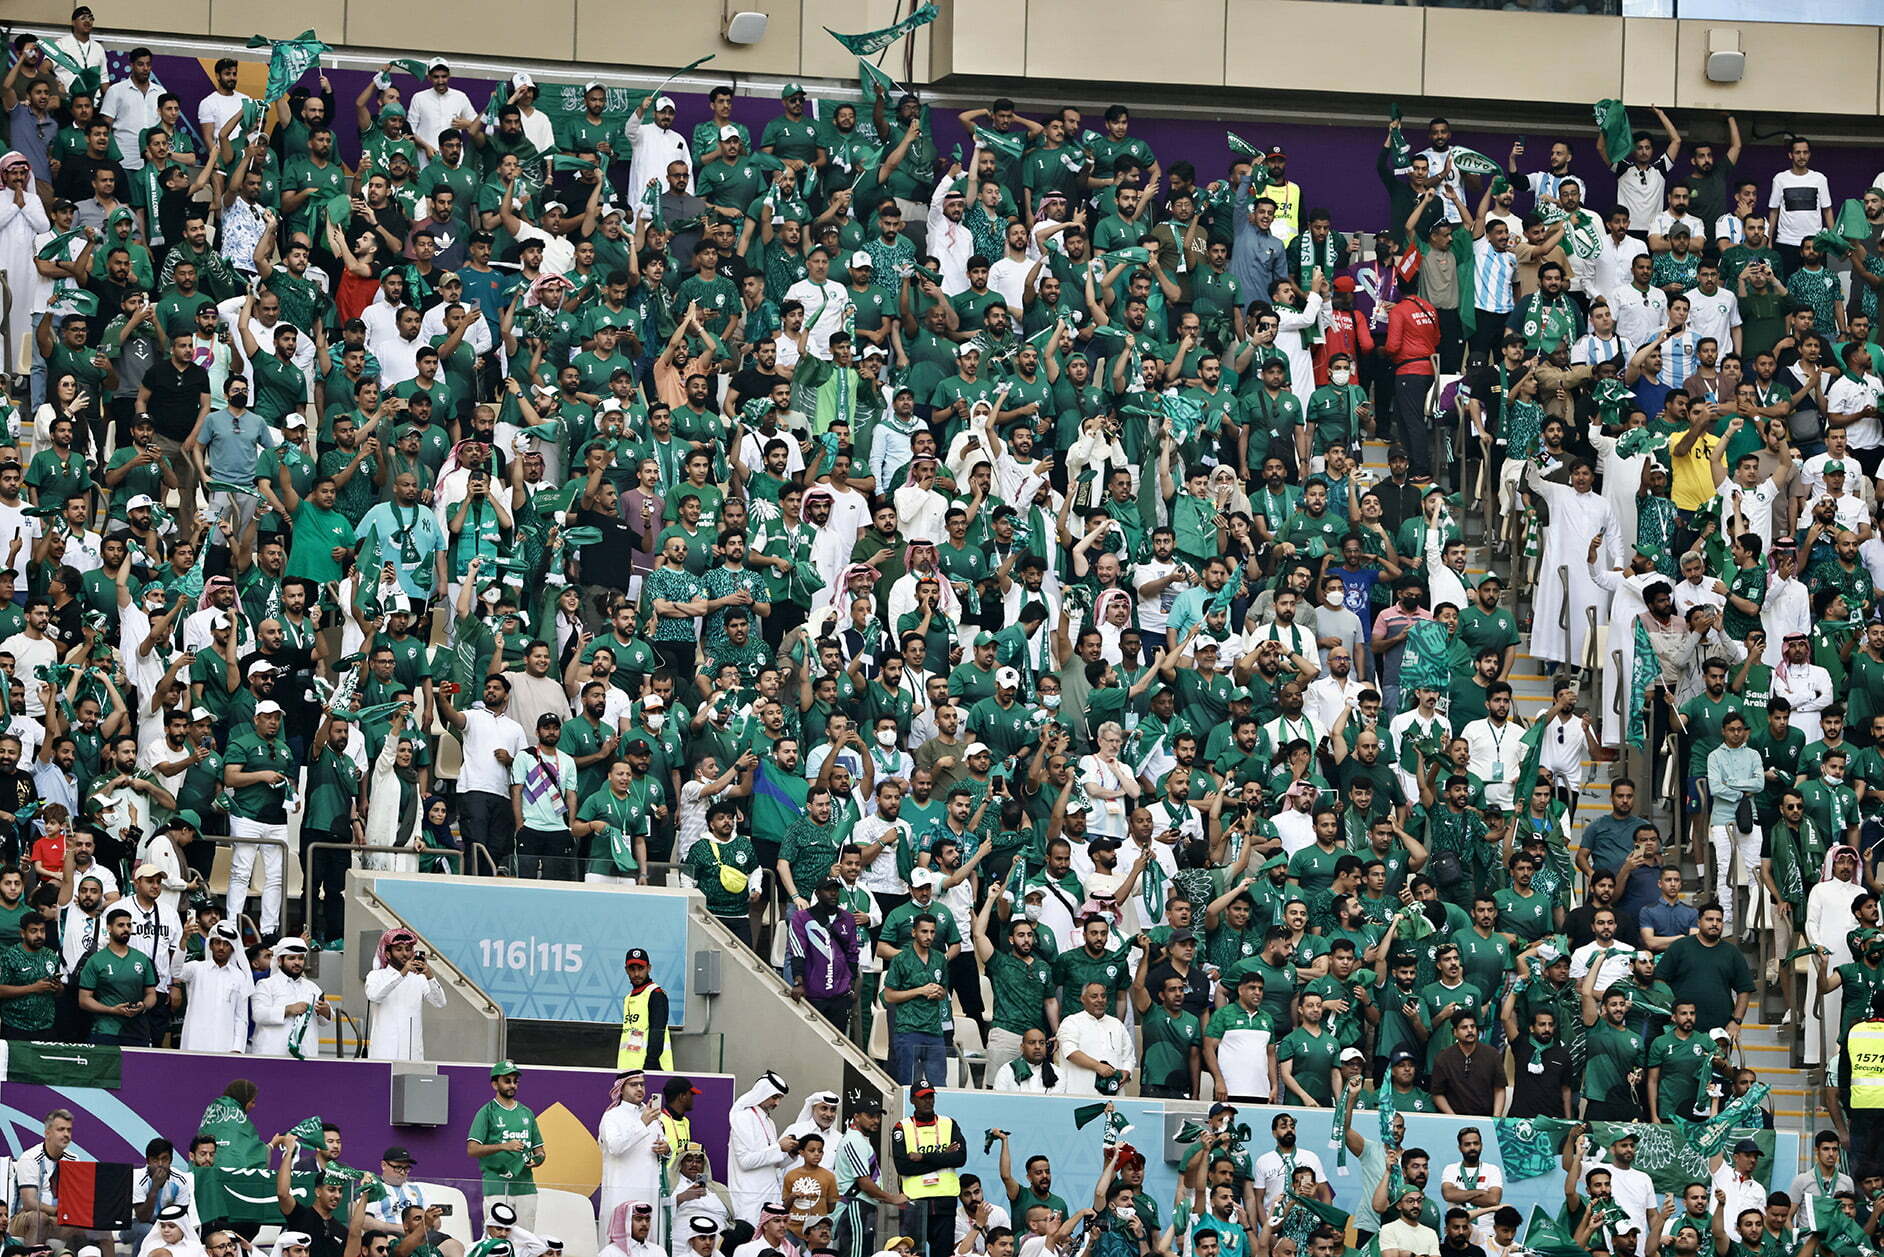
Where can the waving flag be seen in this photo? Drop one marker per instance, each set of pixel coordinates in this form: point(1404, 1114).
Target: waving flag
point(1008, 143)
point(1238, 145)
point(876, 41)
point(1528, 1146)
point(778, 799)
point(1470, 161)
point(1423, 662)
point(1613, 121)
point(288, 60)
point(83, 80)
point(1646, 669)
point(1548, 1237)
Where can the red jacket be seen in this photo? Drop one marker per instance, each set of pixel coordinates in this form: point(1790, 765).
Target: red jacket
point(1348, 334)
point(1413, 336)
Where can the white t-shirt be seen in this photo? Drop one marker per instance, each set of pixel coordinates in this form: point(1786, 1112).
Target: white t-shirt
point(1274, 1172)
point(1801, 201)
point(484, 735)
point(1484, 1176)
point(1847, 395)
point(1756, 507)
point(1155, 612)
point(1715, 315)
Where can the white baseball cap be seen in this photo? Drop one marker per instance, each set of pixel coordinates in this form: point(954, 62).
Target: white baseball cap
point(976, 748)
point(860, 261)
point(665, 102)
point(729, 132)
point(140, 499)
point(267, 705)
point(1005, 677)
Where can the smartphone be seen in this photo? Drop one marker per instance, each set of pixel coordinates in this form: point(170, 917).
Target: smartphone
point(445, 1210)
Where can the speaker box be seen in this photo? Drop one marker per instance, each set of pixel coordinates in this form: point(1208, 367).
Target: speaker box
point(745, 27)
point(1725, 62)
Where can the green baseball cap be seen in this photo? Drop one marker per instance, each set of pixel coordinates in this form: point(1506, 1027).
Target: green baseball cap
point(791, 89)
point(984, 638)
point(504, 1068)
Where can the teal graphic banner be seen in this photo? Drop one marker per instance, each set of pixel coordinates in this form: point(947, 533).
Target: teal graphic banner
point(548, 953)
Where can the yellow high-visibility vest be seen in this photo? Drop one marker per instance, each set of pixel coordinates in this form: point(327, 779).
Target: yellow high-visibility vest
point(1866, 1047)
point(931, 1138)
point(633, 1052)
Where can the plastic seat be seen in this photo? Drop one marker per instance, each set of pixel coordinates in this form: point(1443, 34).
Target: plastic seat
point(459, 1224)
point(568, 1217)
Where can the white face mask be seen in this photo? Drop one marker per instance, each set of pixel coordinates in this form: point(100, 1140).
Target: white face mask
point(654, 720)
point(1334, 599)
point(886, 737)
point(1031, 912)
point(1050, 701)
point(1340, 375)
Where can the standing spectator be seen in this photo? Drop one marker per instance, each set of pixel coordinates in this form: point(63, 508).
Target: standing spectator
point(823, 955)
point(507, 1145)
point(399, 986)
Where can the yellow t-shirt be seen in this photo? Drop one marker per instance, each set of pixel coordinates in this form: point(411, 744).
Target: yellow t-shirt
point(1693, 481)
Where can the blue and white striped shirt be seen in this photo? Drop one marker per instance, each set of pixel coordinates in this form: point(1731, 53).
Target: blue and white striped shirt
point(1496, 274)
point(1679, 358)
point(1728, 227)
point(1591, 349)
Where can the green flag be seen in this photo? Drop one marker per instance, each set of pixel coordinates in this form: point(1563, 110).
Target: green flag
point(778, 799)
point(1085, 1113)
point(288, 60)
point(871, 42)
point(874, 82)
point(1662, 1151)
point(61, 1064)
point(237, 1144)
point(240, 1193)
point(1548, 1237)
point(1716, 1132)
point(1240, 146)
point(1008, 143)
point(1423, 661)
point(1331, 1214)
point(412, 65)
point(308, 1130)
point(1528, 1147)
point(1645, 670)
point(1131, 255)
point(1613, 121)
point(1839, 1233)
point(1852, 224)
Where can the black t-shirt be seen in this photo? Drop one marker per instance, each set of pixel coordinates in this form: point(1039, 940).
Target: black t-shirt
point(176, 396)
point(329, 1234)
point(609, 560)
point(753, 382)
point(1539, 1094)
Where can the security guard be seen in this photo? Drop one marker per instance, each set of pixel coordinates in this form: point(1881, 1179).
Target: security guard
point(928, 1149)
point(1861, 1071)
point(644, 1040)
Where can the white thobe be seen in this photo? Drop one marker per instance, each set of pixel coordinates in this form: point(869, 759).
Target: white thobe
point(654, 150)
point(398, 1000)
point(216, 1018)
point(1808, 688)
point(268, 1004)
point(1828, 921)
point(755, 1164)
point(1575, 519)
point(1627, 602)
point(630, 1169)
point(1622, 479)
point(1786, 611)
point(20, 225)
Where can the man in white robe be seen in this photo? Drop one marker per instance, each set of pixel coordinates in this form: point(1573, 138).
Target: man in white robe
point(1578, 516)
point(1629, 598)
point(280, 1001)
point(632, 1148)
point(756, 1154)
point(217, 988)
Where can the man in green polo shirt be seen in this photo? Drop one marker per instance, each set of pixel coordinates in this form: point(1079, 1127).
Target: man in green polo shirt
point(258, 769)
point(507, 1145)
point(614, 819)
point(1022, 983)
point(118, 985)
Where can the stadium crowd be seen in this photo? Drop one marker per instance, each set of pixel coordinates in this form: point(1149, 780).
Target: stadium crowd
point(963, 571)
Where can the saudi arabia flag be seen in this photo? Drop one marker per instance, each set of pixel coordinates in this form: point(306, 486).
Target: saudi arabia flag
point(61, 1064)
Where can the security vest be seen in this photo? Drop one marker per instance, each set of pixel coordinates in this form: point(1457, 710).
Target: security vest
point(931, 1138)
point(677, 1132)
point(635, 1024)
point(1866, 1047)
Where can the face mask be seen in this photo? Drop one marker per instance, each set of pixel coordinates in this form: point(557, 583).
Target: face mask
point(886, 737)
point(1031, 911)
point(1334, 599)
point(654, 720)
point(1050, 701)
point(1339, 376)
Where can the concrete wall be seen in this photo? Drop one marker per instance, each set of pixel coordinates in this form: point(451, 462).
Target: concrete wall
point(1397, 52)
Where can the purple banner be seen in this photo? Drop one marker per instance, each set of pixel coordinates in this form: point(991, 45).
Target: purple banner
point(1333, 164)
point(165, 1093)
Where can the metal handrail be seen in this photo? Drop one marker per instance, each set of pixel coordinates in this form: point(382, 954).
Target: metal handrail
point(308, 884)
point(1563, 613)
point(1615, 704)
point(1589, 638)
point(441, 963)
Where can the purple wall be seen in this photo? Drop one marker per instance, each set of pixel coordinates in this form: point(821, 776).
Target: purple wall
point(1334, 164)
point(165, 1093)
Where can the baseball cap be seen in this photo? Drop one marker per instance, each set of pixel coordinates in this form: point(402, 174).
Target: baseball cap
point(1401, 1055)
point(636, 956)
point(984, 638)
point(1835, 467)
point(198, 714)
point(140, 499)
point(1219, 1109)
point(1179, 936)
point(1275, 150)
point(267, 706)
point(729, 132)
point(1103, 841)
point(146, 869)
point(1351, 1054)
point(185, 817)
point(860, 261)
point(504, 1069)
point(295, 420)
point(965, 348)
point(791, 89)
point(261, 666)
point(919, 878)
point(976, 748)
point(1344, 283)
point(398, 1154)
point(665, 102)
point(1746, 1145)
point(1006, 676)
